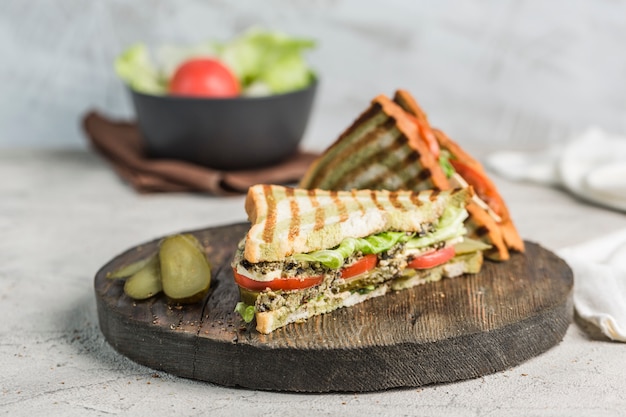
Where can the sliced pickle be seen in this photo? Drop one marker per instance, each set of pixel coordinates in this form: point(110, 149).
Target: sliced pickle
point(146, 282)
point(130, 269)
point(469, 245)
point(185, 270)
point(360, 282)
point(411, 277)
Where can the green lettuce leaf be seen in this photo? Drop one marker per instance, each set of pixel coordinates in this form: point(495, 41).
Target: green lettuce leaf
point(330, 258)
point(272, 58)
point(245, 311)
point(135, 67)
point(451, 225)
point(335, 258)
point(444, 163)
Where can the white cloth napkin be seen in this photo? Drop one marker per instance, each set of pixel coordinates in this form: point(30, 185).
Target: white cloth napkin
point(593, 167)
point(600, 282)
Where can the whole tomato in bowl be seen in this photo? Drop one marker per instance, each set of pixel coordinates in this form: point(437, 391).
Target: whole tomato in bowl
point(204, 77)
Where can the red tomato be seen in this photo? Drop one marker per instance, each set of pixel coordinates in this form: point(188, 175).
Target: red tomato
point(427, 136)
point(277, 284)
point(432, 259)
point(361, 266)
point(204, 77)
point(482, 185)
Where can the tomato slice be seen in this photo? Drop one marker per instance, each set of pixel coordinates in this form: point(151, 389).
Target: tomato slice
point(483, 187)
point(366, 263)
point(429, 137)
point(432, 259)
point(204, 77)
point(278, 283)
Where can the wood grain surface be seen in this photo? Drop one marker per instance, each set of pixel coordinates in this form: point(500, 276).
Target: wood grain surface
point(446, 331)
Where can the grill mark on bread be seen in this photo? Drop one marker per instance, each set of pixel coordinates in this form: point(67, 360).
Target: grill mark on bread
point(294, 221)
point(378, 160)
point(393, 199)
point(434, 194)
point(481, 231)
point(319, 211)
point(321, 171)
point(458, 190)
point(377, 203)
point(358, 202)
point(373, 161)
point(415, 199)
point(356, 145)
point(395, 170)
point(270, 222)
point(424, 175)
point(341, 206)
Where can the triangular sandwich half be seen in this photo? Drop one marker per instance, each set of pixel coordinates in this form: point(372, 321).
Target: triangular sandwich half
point(309, 252)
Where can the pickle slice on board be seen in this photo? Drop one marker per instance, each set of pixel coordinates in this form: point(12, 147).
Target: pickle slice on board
point(146, 282)
point(185, 270)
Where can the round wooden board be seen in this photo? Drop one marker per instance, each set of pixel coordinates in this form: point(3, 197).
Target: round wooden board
point(440, 332)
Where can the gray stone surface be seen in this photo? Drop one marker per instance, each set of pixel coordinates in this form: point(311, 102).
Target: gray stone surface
point(63, 214)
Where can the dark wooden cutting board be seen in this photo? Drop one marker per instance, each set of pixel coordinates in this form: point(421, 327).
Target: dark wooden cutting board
point(445, 331)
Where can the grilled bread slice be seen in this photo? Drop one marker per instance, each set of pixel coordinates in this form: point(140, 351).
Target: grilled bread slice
point(286, 220)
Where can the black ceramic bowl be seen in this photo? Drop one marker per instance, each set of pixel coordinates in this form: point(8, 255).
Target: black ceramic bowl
point(224, 133)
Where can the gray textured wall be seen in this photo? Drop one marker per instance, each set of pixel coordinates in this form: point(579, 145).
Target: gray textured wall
point(506, 71)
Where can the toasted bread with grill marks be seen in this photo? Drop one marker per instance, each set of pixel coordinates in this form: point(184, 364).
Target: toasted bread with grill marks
point(382, 149)
point(287, 221)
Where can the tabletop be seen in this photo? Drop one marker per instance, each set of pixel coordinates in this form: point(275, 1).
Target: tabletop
point(63, 214)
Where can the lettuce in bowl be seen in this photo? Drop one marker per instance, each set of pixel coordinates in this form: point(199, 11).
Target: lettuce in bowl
point(265, 62)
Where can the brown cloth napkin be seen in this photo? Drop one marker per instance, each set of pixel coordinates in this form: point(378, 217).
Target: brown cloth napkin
point(121, 143)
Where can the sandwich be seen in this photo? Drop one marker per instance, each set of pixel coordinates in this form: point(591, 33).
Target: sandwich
point(392, 146)
point(310, 252)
